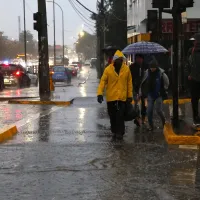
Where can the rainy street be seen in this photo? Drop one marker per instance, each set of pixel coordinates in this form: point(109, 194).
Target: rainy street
point(67, 153)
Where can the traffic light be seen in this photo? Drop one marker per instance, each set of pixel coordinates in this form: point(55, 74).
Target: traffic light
point(185, 3)
point(161, 3)
point(37, 17)
point(152, 20)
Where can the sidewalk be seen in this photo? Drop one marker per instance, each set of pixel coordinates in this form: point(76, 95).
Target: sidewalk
point(67, 153)
point(185, 133)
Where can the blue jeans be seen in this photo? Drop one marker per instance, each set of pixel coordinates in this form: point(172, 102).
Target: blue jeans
point(159, 109)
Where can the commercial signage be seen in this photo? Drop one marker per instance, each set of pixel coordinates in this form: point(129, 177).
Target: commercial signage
point(192, 26)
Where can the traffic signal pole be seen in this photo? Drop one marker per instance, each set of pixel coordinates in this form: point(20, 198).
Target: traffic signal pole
point(175, 81)
point(44, 85)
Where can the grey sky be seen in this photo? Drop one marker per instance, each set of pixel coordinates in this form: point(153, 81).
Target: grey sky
point(73, 23)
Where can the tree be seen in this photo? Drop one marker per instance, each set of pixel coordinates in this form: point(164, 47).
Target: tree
point(116, 23)
point(30, 42)
point(86, 45)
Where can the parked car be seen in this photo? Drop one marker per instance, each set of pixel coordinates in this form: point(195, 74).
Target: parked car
point(73, 70)
point(16, 75)
point(87, 63)
point(93, 62)
point(61, 74)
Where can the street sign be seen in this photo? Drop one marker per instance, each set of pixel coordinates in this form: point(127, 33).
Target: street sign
point(184, 17)
point(161, 3)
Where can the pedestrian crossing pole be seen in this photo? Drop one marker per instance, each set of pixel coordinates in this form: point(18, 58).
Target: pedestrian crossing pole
point(44, 84)
point(175, 63)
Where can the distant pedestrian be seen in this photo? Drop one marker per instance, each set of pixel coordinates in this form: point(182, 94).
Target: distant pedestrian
point(117, 81)
point(138, 69)
point(192, 71)
point(154, 86)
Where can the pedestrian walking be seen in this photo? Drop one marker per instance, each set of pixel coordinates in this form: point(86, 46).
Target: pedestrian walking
point(137, 71)
point(192, 71)
point(154, 85)
point(117, 81)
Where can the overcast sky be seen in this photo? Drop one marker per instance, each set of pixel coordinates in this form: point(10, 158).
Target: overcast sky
point(73, 23)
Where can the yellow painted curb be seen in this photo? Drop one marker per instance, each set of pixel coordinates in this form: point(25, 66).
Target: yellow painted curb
point(180, 101)
point(7, 133)
point(170, 101)
point(172, 138)
point(34, 102)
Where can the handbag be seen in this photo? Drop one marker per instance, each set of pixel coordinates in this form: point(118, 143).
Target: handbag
point(131, 112)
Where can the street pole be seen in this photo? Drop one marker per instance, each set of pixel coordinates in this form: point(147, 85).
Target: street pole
point(44, 84)
point(102, 37)
point(175, 64)
point(54, 32)
point(25, 56)
point(160, 23)
point(63, 30)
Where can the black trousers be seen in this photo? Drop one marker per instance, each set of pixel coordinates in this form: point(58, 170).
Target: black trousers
point(195, 96)
point(116, 111)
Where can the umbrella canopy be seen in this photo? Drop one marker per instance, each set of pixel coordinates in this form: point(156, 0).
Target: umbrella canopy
point(144, 48)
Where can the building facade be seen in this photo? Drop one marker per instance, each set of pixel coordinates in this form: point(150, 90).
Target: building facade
point(137, 20)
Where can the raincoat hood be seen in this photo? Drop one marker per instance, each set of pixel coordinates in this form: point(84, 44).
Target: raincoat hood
point(119, 54)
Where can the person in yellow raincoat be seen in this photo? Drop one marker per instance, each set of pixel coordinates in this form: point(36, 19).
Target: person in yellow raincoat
point(117, 81)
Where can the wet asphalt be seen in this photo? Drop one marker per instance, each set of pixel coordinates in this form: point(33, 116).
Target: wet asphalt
point(67, 153)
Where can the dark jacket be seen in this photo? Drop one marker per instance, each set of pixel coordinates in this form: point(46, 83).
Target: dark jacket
point(137, 73)
point(192, 67)
point(161, 85)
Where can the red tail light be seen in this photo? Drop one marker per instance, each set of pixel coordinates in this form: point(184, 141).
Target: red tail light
point(18, 73)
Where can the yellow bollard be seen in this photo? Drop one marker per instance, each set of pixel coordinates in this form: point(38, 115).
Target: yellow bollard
point(52, 87)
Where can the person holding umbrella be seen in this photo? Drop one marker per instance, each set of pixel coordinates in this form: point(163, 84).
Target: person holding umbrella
point(154, 85)
point(118, 83)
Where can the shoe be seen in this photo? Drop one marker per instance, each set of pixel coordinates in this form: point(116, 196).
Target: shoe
point(119, 137)
point(196, 121)
point(137, 122)
point(143, 119)
point(150, 128)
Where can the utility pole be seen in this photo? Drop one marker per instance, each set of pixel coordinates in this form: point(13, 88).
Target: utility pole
point(41, 26)
point(102, 36)
point(160, 10)
point(175, 81)
point(54, 32)
point(19, 25)
point(25, 51)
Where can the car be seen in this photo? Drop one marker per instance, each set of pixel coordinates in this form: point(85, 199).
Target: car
point(60, 73)
point(16, 75)
point(87, 63)
point(93, 62)
point(73, 70)
point(78, 64)
point(76, 67)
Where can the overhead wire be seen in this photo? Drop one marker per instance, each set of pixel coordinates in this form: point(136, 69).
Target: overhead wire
point(85, 7)
point(75, 8)
point(81, 16)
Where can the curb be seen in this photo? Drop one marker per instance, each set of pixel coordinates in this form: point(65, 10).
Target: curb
point(172, 138)
point(26, 102)
point(7, 133)
point(180, 101)
point(170, 101)
point(12, 98)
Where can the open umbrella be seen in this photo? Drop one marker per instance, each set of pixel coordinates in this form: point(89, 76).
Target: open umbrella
point(144, 48)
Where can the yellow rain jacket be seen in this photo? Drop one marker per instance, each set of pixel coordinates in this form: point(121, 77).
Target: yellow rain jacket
point(118, 87)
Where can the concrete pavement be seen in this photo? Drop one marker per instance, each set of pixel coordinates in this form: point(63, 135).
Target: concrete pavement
point(67, 153)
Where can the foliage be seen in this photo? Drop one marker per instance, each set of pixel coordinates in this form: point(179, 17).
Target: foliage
point(116, 23)
point(10, 48)
point(86, 45)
